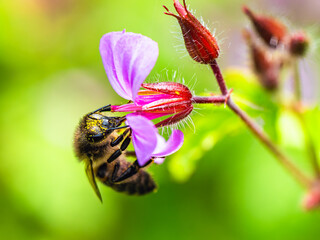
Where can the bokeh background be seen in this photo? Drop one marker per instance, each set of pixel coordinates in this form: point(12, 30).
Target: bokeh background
point(223, 184)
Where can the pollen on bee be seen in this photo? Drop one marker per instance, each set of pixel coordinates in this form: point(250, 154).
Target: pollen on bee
point(91, 124)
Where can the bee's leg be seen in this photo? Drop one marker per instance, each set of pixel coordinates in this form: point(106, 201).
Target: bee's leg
point(115, 171)
point(131, 170)
point(126, 135)
point(114, 156)
point(127, 139)
point(106, 108)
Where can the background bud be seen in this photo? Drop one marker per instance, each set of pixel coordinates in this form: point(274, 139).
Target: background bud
point(298, 44)
point(265, 64)
point(269, 29)
point(312, 199)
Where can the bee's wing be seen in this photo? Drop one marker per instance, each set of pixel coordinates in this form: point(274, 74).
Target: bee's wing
point(91, 178)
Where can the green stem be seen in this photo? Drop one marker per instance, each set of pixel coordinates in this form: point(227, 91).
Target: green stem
point(297, 82)
point(308, 138)
point(309, 144)
point(259, 133)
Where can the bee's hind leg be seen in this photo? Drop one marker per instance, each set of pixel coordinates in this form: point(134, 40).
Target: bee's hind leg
point(131, 170)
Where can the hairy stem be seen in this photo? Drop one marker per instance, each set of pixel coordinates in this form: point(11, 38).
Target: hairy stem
point(259, 133)
point(211, 99)
point(219, 77)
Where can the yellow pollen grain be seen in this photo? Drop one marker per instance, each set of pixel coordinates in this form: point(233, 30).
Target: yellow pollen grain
point(92, 123)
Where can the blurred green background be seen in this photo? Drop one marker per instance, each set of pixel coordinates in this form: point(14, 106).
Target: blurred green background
point(221, 185)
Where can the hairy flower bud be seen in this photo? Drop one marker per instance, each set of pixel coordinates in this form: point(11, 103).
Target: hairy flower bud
point(266, 66)
point(159, 100)
point(167, 97)
point(298, 44)
point(269, 29)
point(199, 41)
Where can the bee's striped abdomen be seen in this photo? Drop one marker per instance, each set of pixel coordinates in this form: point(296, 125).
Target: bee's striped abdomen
point(141, 183)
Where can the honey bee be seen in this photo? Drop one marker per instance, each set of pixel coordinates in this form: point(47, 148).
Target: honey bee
point(101, 143)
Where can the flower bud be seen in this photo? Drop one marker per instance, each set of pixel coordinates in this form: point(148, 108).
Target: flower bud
point(167, 97)
point(269, 29)
point(265, 64)
point(160, 99)
point(298, 44)
point(312, 199)
point(200, 43)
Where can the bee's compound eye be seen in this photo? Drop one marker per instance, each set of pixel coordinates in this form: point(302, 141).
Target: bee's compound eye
point(93, 130)
point(105, 123)
point(95, 138)
point(94, 134)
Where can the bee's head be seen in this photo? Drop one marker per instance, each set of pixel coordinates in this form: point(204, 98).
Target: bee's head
point(98, 126)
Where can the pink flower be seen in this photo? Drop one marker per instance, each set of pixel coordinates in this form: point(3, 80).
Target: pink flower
point(128, 58)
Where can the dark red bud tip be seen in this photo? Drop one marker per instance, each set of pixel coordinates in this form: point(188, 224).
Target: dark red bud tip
point(298, 44)
point(165, 8)
point(269, 29)
point(200, 43)
point(181, 10)
point(169, 13)
point(247, 11)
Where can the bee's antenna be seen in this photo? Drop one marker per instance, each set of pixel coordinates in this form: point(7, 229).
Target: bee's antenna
point(106, 108)
point(123, 118)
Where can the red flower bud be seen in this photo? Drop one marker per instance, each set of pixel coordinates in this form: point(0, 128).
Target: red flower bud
point(176, 97)
point(161, 99)
point(298, 44)
point(312, 199)
point(200, 43)
point(172, 88)
point(269, 29)
point(265, 65)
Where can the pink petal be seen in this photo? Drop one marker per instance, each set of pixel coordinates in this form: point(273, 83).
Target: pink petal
point(107, 49)
point(148, 115)
point(130, 107)
point(146, 99)
point(159, 160)
point(144, 137)
point(171, 146)
point(128, 58)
